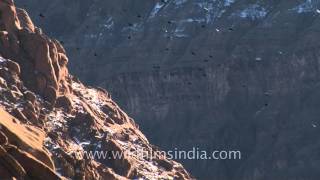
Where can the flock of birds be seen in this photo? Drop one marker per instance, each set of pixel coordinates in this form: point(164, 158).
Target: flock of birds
point(167, 49)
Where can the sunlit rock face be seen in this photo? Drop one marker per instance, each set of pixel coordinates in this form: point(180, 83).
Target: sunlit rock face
point(54, 127)
point(213, 74)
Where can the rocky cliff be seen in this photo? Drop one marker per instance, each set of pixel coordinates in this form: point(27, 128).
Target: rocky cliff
point(49, 119)
point(215, 74)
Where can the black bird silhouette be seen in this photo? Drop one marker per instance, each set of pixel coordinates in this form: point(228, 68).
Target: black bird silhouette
point(41, 15)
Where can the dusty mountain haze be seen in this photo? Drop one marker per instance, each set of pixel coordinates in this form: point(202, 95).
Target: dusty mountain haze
point(214, 74)
point(49, 119)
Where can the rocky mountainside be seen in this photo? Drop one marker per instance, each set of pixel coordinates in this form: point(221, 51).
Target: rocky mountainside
point(49, 119)
point(215, 74)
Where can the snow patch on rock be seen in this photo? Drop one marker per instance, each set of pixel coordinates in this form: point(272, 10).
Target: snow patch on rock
point(307, 7)
point(213, 9)
point(179, 2)
point(109, 24)
point(229, 2)
point(253, 12)
point(2, 60)
point(156, 9)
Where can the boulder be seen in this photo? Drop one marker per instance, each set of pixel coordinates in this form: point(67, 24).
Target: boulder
point(33, 167)
point(27, 138)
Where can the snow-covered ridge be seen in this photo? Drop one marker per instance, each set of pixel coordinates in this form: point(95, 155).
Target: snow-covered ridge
point(199, 12)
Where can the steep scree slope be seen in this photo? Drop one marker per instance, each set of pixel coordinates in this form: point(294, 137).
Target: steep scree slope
point(216, 74)
point(49, 119)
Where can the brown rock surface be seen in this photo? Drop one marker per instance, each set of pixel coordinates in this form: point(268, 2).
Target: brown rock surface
point(25, 20)
point(64, 102)
point(9, 16)
point(30, 96)
point(59, 121)
point(10, 167)
point(13, 67)
point(26, 146)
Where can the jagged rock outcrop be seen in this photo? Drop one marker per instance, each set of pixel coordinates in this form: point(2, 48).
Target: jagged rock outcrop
point(50, 121)
point(22, 151)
